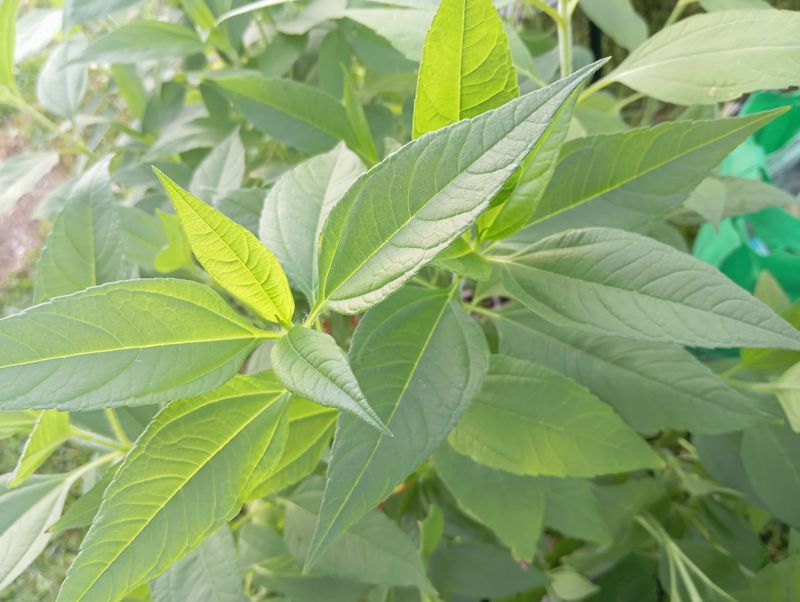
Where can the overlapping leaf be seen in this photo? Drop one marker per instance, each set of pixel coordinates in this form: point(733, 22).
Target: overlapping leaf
point(187, 475)
point(233, 256)
point(617, 283)
point(436, 186)
point(132, 342)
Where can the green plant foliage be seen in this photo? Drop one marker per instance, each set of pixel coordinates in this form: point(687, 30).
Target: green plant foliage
point(394, 301)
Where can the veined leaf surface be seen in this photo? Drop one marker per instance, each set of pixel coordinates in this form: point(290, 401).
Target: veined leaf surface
point(133, 342)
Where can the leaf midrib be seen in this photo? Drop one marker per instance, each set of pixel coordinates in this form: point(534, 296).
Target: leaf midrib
point(161, 507)
point(640, 174)
point(423, 348)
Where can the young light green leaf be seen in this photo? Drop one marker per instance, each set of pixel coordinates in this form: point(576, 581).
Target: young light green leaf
point(514, 509)
point(610, 173)
point(20, 173)
point(640, 289)
point(313, 366)
point(176, 254)
point(222, 171)
point(143, 41)
point(35, 30)
point(233, 256)
point(718, 5)
point(771, 459)
point(618, 19)
point(528, 420)
point(310, 430)
point(209, 574)
point(81, 11)
point(8, 17)
point(711, 58)
point(20, 422)
point(296, 208)
point(573, 508)
point(436, 187)
point(61, 84)
point(50, 431)
point(291, 112)
point(84, 248)
point(419, 359)
point(158, 507)
point(26, 512)
point(466, 66)
point(374, 550)
point(653, 387)
point(134, 342)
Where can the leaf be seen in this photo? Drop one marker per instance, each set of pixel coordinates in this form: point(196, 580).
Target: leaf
point(313, 366)
point(233, 256)
point(310, 430)
point(222, 171)
point(717, 198)
point(511, 505)
point(437, 186)
point(771, 459)
point(419, 359)
point(528, 420)
point(8, 16)
point(477, 570)
point(61, 85)
point(611, 173)
point(717, 5)
point(652, 387)
point(707, 59)
point(502, 220)
point(19, 174)
point(84, 248)
point(35, 30)
point(362, 140)
point(248, 8)
point(373, 550)
point(209, 574)
point(50, 431)
point(134, 342)
point(81, 11)
point(291, 112)
point(787, 389)
point(297, 206)
point(404, 28)
point(25, 514)
point(574, 508)
point(157, 508)
point(17, 423)
point(466, 66)
point(83, 510)
point(774, 583)
point(618, 19)
point(141, 41)
point(569, 585)
point(176, 254)
point(461, 259)
point(244, 206)
point(640, 289)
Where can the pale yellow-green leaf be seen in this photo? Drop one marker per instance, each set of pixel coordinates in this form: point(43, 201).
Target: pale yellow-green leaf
point(466, 66)
point(233, 256)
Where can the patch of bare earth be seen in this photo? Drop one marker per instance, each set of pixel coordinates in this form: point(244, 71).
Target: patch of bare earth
point(20, 234)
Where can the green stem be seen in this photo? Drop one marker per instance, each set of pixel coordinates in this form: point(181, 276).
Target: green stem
point(548, 10)
point(595, 87)
point(116, 426)
point(23, 106)
point(81, 470)
point(565, 38)
point(677, 11)
point(95, 439)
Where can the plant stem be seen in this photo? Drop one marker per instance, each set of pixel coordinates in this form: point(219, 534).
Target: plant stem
point(95, 439)
point(23, 106)
point(595, 87)
point(116, 426)
point(677, 11)
point(564, 37)
point(548, 10)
